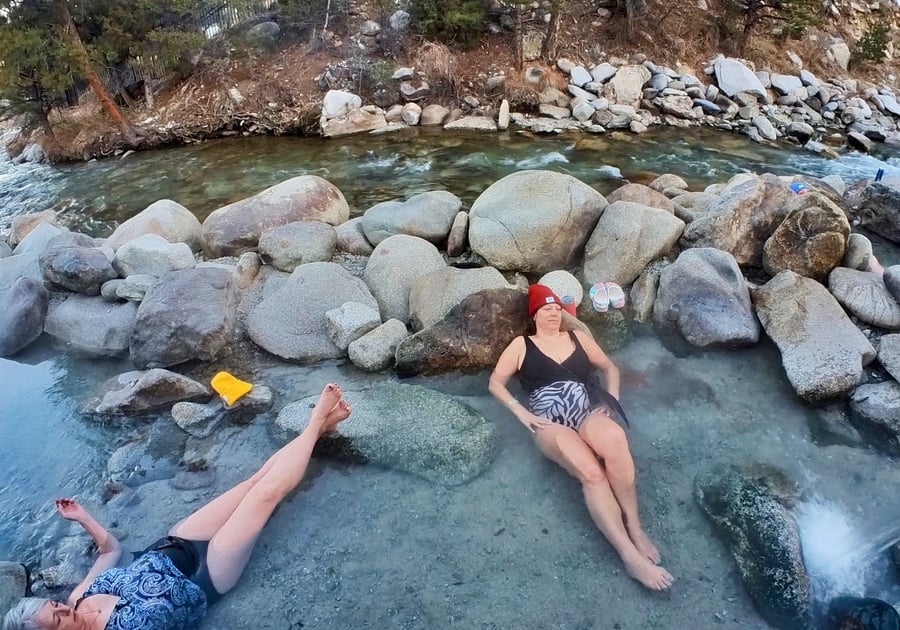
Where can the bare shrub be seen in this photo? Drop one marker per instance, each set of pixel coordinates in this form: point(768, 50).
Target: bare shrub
point(436, 62)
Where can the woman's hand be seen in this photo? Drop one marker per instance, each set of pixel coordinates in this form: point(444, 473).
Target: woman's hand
point(71, 510)
point(534, 423)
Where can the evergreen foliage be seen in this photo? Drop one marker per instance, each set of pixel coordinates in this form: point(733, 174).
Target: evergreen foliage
point(450, 20)
point(872, 46)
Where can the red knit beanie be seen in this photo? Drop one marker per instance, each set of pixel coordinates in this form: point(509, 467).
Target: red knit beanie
point(540, 295)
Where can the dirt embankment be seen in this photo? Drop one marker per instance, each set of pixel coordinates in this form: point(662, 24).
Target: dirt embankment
point(276, 92)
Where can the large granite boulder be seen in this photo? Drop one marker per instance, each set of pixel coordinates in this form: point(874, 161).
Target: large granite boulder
point(434, 294)
point(375, 350)
point(23, 310)
point(91, 325)
point(78, 269)
point(351, 238)
point(889, 354)
point(878, 209)
point(165, 218)
point(188, 314)
point(290, 321)
point(359, 120)
point(471, 336)
point(703, 298)
point(626, 238)
point(143, 391)
point(644, 195)
point(750, 512)
point(236, 228)
point(875, 412)
point(23, 224)
point(811, 241)
point(38, 239)
point(742, 219)
point(152, 255)
point(393, 268)
point(733, 77)
point(625, 88)
point(864, 294)
point(822, 351)
point(298, 243)
point(405, 427)
point(21, 265)
point(428, 215)
point(534, 221)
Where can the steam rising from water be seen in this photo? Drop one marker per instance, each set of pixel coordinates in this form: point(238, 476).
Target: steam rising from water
point(839, 553)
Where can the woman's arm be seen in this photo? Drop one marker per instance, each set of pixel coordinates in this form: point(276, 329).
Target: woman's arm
point(599, 360)
point(507, 366)
point(110, 550)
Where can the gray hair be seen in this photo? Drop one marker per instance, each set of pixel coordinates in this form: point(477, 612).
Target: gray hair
point(21, 617)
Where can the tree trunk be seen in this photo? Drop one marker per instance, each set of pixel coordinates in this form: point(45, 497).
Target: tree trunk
point(148, 93)
point(548, 51)
point(520, 53)
point(70, 31)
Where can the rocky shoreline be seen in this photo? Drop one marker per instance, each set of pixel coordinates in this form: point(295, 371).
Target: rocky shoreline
point(426, 287)
point(631, 94)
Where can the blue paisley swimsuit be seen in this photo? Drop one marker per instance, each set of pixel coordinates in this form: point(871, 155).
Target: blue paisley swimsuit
point(153, 595)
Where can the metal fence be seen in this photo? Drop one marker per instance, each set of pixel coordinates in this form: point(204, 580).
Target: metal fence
point(213, 21)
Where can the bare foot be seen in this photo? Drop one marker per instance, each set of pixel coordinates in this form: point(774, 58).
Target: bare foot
point(643, 544)
point(331, 395)
point(653, 577)
point(341, 411)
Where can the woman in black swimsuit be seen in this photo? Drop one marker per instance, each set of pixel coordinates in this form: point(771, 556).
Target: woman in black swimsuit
point(554, 367)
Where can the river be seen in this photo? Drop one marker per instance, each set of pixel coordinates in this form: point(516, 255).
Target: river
point(362, 547)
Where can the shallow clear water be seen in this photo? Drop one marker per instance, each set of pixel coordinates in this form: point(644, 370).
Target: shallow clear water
point(362, 547)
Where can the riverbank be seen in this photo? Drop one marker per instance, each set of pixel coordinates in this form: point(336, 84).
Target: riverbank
point(279, 89)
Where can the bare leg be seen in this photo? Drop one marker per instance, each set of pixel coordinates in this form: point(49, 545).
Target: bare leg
point(231, 546)
point(608, 440)
point(565, 447)
point(875, 266)
point(207, 520)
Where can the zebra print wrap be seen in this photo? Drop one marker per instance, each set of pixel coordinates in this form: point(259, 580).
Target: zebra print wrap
point(563, 402)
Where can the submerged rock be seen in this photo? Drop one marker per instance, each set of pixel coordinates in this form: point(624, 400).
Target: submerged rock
point(151, 459)
point(13, 584)
point(861, 613)
point(876, 413)
point(749, 512)
point(405, 427)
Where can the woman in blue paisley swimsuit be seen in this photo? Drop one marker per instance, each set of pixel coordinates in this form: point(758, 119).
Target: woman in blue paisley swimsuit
point(170, 586)
point(555, 369)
